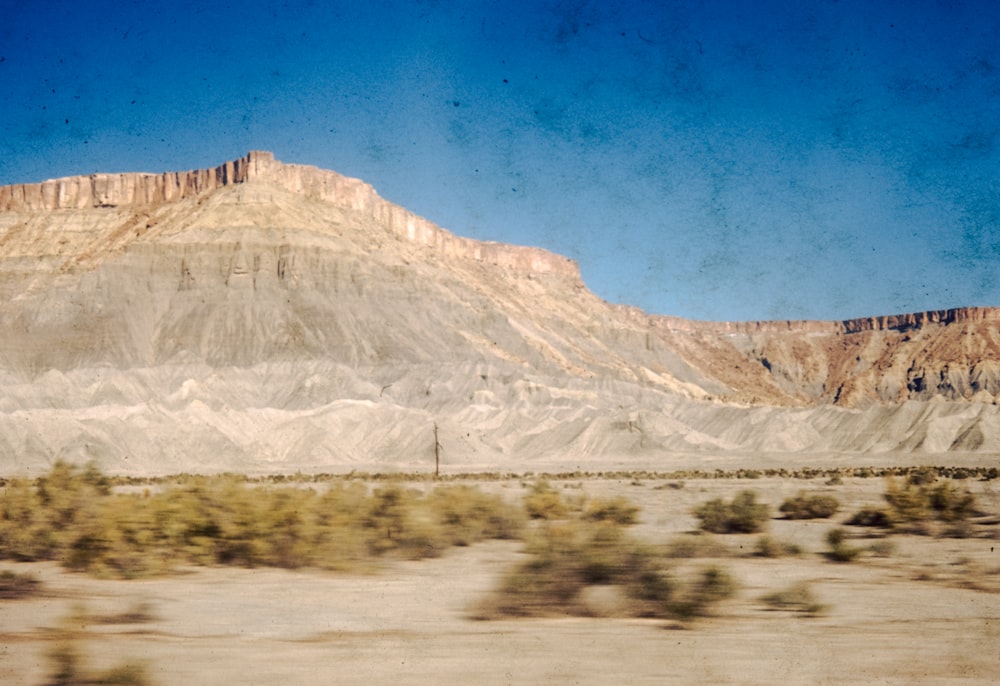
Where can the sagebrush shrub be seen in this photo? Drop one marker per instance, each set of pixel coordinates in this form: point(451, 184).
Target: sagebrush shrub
point(916, 501)
point(617, 510)
point(14, 585)
point(871, 516)
point(797, 598)
point(742, 515)
point(544, 502)
point(769, 547)
point(840, 551)
point(73, 516)
point(805, 506)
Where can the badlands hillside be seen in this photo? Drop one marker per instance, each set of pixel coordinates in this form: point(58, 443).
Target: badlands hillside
point(270, 317)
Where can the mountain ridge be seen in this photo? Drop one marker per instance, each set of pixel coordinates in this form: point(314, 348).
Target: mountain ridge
point(142, 189)
point(273, 317)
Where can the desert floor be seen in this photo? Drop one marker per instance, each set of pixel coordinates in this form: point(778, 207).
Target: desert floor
point(928, 611)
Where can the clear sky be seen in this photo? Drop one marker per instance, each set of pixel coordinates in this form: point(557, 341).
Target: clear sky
point(725, 160)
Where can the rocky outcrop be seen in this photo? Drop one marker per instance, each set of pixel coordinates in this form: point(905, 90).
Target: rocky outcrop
point(138, 191)
point(133, 189)
point(893, 322)
point(907, 322)
point(951, 354)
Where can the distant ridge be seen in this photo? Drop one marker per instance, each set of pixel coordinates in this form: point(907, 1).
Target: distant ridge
point(892, 322)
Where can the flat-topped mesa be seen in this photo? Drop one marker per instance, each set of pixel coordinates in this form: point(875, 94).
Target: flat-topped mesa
point(144, 189)
point(354, 194)
point(130, 188)
point(917, 320)
point(894, 322)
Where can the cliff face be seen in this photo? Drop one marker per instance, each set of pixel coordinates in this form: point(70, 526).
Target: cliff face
point(952, 354)
point(138, 192)
point(893, 322)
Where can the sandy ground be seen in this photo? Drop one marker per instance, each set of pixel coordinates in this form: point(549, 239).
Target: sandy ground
point(927, 613)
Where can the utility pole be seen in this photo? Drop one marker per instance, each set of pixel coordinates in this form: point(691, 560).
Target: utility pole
point(437, 453)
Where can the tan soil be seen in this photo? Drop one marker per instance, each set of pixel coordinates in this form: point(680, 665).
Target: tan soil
point(928, 613)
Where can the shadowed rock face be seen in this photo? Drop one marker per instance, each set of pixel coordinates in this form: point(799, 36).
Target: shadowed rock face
point(264, 316)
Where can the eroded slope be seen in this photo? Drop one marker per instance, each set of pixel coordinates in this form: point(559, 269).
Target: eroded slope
point(276, 317)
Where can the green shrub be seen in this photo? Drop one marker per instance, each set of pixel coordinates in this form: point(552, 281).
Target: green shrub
point(468, 515)
point(566, 557)
point(810, 507)
point(742, 515)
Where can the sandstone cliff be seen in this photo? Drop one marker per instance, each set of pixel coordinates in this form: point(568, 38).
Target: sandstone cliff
point(140, 192)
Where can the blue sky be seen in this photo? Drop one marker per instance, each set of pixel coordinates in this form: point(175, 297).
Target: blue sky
point(712, 160)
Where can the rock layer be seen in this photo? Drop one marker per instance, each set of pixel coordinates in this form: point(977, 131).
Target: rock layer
point(143, 191)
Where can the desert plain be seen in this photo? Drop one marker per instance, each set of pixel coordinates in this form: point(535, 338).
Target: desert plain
point(910, 608)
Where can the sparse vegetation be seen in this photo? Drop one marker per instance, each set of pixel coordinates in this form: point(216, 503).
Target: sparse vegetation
point(571, 558)
point(544, 502)
point(14, 585)
point(568, 556)
point(805, 506)
point(742, 515)
point(74, 517)
point(871, 517)
point(796, 598)
point(840, 551)
point(67, 666)
point(769, 547)
point(695, 545)
point(883, 548)
point(710, 586)
point(834, 476)
point(617, 510)
point(917, 501)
